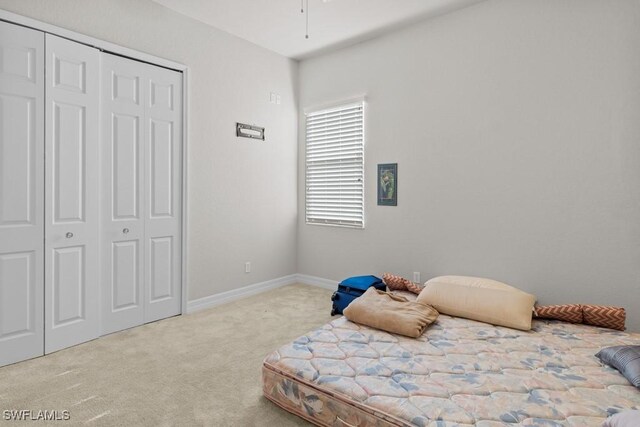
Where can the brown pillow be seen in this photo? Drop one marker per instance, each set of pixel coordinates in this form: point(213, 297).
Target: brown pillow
point(567, 312)
point(605, 316)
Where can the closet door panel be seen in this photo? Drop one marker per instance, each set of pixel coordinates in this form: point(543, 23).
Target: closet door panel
point(17, 149)
point(17, 315)
point(161, 268)
point(122, 204)
point(71, 247)
point(161, 164)
point(68, 285)
point(125, 147)
point(163, 224)
point(21, 193)
point(69, 148)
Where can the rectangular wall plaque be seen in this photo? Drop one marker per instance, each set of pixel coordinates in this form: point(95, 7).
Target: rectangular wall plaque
point(249, 131)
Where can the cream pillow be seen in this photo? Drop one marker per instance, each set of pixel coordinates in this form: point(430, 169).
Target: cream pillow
point(474, 282)
point(479, 299)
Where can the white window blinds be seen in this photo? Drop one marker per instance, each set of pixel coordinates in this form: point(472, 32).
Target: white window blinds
point(335, 166)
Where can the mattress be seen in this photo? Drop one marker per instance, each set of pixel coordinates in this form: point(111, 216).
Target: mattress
point(459, 373)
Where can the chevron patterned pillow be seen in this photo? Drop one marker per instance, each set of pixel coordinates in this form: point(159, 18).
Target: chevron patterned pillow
point(605, 316)
point(571, 313)
point(397, 283)
point(594, 315)
point(394, 283)
point(414, 287)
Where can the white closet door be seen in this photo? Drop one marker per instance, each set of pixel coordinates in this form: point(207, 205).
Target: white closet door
point(123, 84)
point(141, 185)
point(21, 193)
point(163, 224)
point(71, 246)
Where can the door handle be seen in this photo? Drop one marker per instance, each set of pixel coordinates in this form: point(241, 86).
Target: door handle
point(69, 235)
point(125, 230)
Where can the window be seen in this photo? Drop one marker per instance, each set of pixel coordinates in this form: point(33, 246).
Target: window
point(335, 166)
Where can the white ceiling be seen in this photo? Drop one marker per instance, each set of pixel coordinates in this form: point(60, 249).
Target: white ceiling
point(278, 25)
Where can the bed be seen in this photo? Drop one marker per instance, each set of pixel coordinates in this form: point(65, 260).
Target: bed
point(459, 373)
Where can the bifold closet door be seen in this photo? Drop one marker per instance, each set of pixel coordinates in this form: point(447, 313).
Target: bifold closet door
point(141, 185)
point(21, 193)
point(163, 194)
point(71, 213)
point(123, 135)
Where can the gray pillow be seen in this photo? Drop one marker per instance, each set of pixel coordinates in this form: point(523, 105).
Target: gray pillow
point(623, 419)
point(625, 358)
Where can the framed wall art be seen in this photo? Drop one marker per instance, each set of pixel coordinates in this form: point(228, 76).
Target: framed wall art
point(388, 184)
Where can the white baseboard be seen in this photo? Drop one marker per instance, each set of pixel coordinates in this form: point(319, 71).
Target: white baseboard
point(317, 281)
point(256, 288)
point(235, 294)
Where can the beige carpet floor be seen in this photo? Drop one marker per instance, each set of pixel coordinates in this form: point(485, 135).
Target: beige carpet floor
point(201, 369)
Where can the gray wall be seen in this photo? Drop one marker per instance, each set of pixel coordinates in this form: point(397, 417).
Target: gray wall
point(242, 194)
point(515, 123)
point(516, 128)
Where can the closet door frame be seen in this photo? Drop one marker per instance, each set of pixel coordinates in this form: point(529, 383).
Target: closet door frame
point(153, 60)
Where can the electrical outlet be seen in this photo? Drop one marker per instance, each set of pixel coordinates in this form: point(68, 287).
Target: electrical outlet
point(247, 267)
point(416, 276)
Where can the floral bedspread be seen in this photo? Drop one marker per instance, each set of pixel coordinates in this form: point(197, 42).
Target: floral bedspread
point(459, 373)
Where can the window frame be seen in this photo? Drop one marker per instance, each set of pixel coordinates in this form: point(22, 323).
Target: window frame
point(328, 108)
